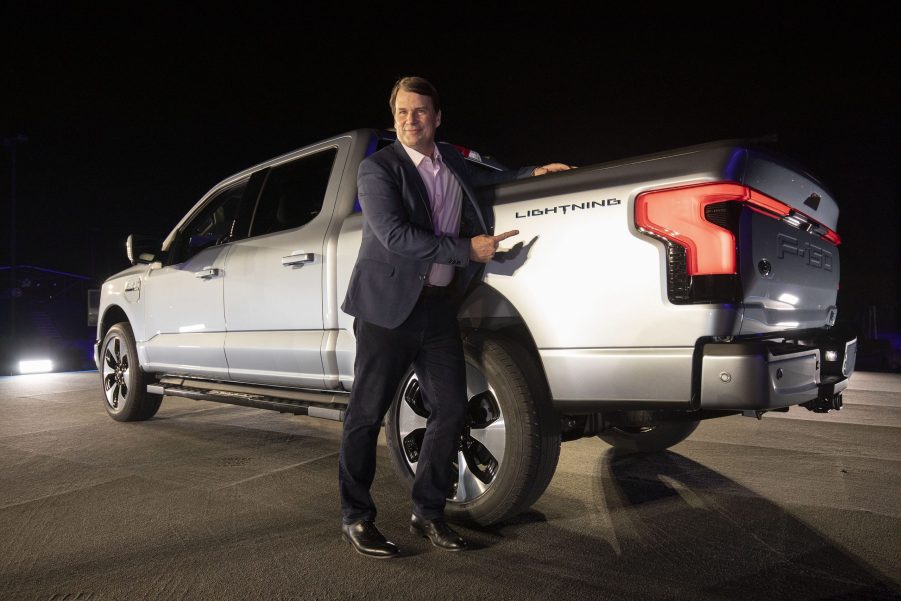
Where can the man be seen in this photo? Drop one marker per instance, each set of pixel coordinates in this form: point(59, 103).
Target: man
point(425, 238)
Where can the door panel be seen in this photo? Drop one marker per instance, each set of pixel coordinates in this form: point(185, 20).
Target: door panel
point(274, 289)
point(279, 357)
point(274, 310)
point(185, 316)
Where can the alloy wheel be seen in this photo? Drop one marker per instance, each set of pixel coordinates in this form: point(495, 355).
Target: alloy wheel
point(480, 455)
point(115, 371)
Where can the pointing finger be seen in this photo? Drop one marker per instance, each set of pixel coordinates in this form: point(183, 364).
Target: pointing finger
point(506, 235)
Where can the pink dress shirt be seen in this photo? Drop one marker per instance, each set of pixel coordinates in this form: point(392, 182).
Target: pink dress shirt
point(446, 201)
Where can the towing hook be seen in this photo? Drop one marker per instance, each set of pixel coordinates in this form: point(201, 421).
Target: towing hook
point(825, 403)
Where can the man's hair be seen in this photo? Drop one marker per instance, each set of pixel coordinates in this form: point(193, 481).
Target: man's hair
point(417, 85)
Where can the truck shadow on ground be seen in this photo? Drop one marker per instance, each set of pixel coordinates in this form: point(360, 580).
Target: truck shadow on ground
point(669, 527)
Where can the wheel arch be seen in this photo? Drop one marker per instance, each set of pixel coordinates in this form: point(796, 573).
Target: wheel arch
point(111, 316)
point(487, 309)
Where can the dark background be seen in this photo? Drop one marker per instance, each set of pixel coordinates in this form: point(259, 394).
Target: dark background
point(127, 127)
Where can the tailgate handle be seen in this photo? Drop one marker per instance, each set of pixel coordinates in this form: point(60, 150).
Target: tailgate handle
point(298, 258)
point(207, 273)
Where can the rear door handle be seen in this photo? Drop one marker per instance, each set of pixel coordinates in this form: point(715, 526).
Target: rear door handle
point(298, 258)
point(207, 273)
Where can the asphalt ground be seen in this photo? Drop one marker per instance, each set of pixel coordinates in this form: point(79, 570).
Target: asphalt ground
point(210, 501)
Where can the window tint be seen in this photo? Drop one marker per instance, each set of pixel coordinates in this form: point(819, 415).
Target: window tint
point(214, 224)
point(293, 193)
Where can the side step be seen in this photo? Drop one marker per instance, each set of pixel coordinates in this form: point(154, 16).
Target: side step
point(315, 403)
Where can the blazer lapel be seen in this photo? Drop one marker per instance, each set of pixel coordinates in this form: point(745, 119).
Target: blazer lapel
point(468, 192)
point(412, 175)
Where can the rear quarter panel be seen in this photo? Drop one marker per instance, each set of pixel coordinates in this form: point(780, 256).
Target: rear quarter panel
point(585, 277)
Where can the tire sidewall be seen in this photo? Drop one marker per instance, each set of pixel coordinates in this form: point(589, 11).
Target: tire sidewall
point(509, 473)
point(512, 480)
point(136, 403)
point(663, 436)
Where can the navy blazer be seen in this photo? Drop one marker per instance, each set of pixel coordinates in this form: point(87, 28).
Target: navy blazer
point(399, 244)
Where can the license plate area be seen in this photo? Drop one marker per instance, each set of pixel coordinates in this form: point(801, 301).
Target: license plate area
point(789, 276)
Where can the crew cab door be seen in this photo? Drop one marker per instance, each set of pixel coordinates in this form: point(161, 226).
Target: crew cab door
point(185, 317)
point(274, 289)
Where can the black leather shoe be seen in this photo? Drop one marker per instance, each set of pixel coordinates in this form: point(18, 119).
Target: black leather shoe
point(367, 540)
point(438, 532)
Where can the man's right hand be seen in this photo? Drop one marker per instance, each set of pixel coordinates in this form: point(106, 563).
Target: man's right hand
point(482, 248)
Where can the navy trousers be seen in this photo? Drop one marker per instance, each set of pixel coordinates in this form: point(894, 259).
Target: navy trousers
point(429, 340)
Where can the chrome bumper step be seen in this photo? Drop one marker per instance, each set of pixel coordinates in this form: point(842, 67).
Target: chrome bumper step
point(315, 403)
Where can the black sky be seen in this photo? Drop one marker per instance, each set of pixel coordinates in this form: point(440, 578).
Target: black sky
point(127, 129)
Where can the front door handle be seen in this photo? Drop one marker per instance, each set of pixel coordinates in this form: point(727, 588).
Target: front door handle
point(207, 273)
point(298, 258)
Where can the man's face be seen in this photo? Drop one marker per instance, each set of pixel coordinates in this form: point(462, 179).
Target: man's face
point(416, 120)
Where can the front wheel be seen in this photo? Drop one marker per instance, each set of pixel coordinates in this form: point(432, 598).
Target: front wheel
point(648, 438)
point(510, 442)
point(124, 383)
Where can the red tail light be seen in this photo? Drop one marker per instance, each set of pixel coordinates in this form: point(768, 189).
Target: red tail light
point(701, 249)
point(677, 214)
point(462, 150)
point(832, 237)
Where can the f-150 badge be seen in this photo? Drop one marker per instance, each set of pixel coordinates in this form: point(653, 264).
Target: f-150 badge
point(812, 254)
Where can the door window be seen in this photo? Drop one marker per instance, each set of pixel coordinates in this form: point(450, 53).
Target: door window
point(293, 193)
point(216, 223)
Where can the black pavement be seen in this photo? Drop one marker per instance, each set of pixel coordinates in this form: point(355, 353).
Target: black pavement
point(211, 501)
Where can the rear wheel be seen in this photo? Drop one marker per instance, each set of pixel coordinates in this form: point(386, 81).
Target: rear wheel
point(649, 438)
point(510, 442)
point(124, 383)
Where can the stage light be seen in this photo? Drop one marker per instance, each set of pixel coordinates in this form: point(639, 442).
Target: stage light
point(35, 366)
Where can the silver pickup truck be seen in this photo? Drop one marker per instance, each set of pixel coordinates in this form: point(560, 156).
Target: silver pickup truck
point(641, 296)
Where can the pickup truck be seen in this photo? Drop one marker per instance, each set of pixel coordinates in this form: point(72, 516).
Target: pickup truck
point(642, 296)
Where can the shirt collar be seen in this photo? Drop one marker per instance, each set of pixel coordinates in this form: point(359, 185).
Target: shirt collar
point(417, 156)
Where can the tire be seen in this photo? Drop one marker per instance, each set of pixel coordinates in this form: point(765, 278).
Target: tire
point(649, 438)
point(511, 440)
point(124, 383)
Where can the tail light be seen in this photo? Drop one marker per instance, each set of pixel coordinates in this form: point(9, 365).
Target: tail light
point(698, 224)
point(468, 153)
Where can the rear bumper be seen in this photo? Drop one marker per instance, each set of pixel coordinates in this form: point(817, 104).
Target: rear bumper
point(770, 374)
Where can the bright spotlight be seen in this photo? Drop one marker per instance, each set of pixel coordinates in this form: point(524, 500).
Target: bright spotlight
point(35, 366)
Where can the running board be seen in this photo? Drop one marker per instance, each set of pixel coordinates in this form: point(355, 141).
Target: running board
point(315, 403)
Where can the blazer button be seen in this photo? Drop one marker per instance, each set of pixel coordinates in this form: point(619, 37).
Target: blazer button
point(422, 277)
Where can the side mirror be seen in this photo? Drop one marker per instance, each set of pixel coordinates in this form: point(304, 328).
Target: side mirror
point(141, 249)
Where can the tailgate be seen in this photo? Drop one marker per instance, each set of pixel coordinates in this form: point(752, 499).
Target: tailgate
point(790, 184)
point(788, 264)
